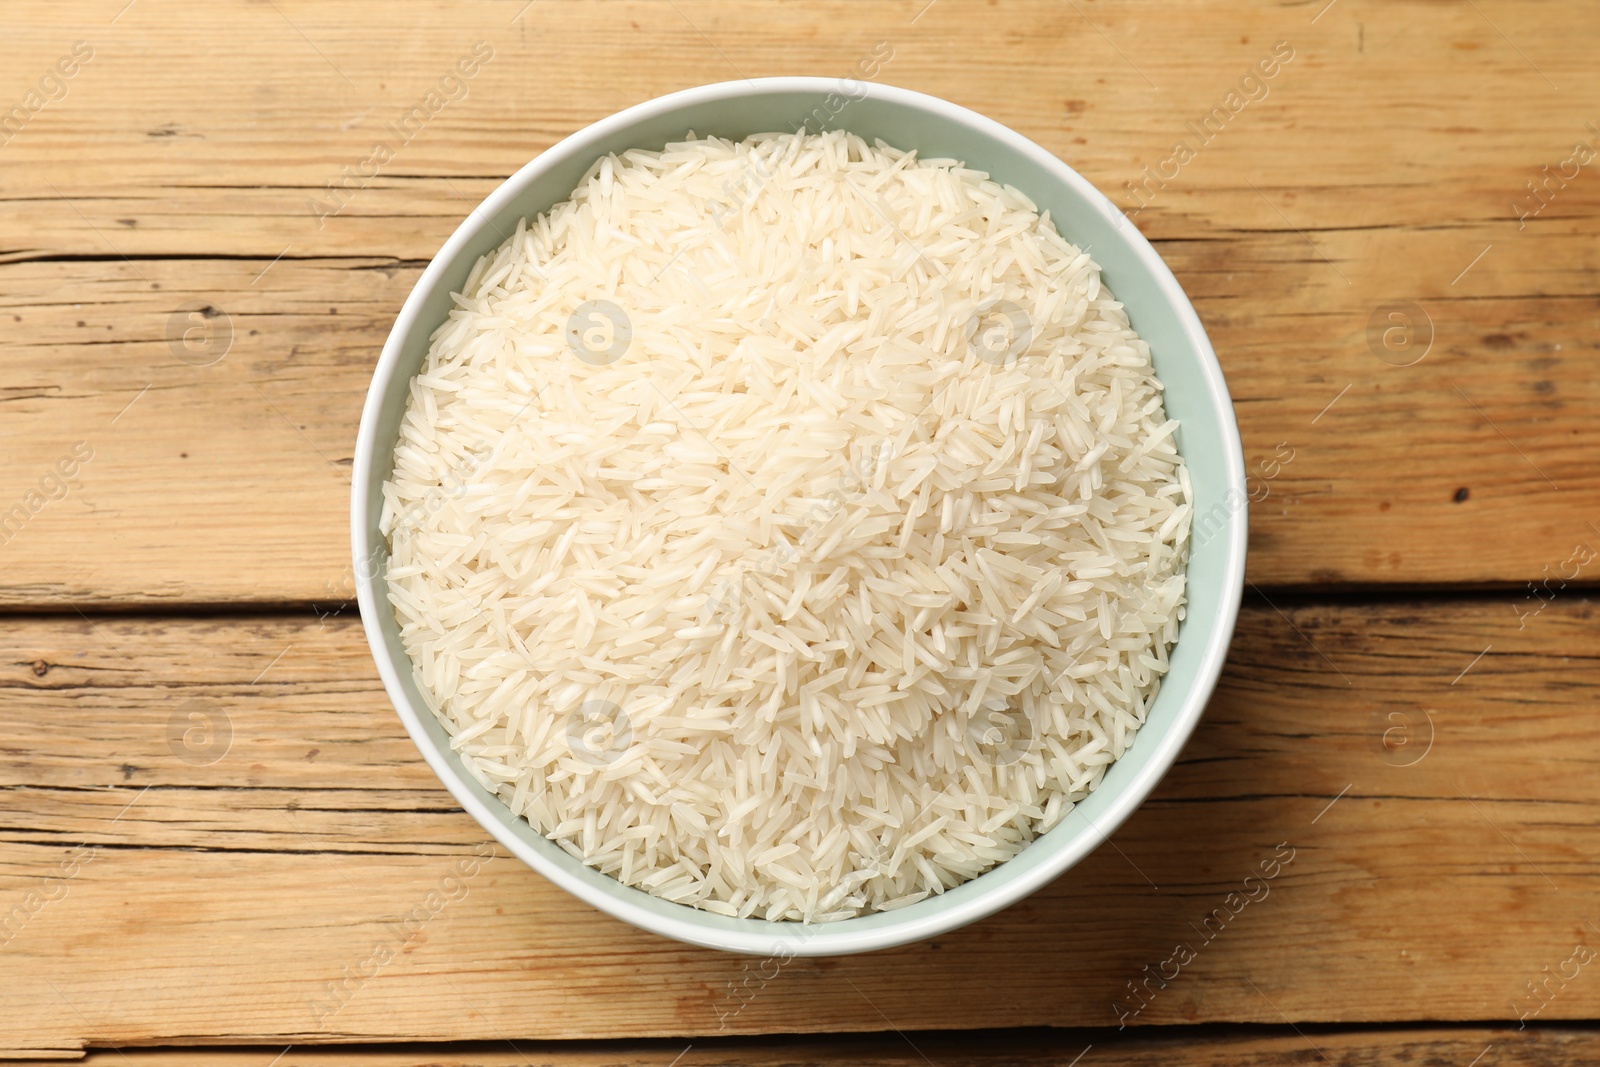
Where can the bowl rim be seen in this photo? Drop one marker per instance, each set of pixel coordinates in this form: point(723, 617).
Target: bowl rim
point(836, 938)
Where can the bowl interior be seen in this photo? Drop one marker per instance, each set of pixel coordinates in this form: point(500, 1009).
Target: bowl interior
point(1195, 395)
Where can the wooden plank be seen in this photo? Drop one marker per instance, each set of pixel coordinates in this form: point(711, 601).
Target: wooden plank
point(229, 482)
point(1543, 1047)
point(1411, 200)
point(226, 481)
point(1446, 137)
point(218, 889)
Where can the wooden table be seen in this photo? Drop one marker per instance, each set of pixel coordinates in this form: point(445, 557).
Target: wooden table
point(212, 819)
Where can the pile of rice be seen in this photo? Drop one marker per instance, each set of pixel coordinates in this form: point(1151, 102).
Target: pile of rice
point(790, 528)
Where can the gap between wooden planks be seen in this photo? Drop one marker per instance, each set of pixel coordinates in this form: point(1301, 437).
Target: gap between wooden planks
point(1189, 1047)
point(1382, 167)
point(223, 898)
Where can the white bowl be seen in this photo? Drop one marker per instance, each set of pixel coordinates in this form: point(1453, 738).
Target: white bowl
point(1195, 395)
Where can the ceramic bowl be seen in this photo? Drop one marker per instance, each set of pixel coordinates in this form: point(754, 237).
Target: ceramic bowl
point(1195, 395)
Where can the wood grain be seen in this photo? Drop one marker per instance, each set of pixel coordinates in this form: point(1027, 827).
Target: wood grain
point(208, 815)
point(222, 897)
point(1544, 1047)
point(1382, 166)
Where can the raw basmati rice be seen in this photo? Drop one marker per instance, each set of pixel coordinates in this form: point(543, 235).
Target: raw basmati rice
point(789, 528)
